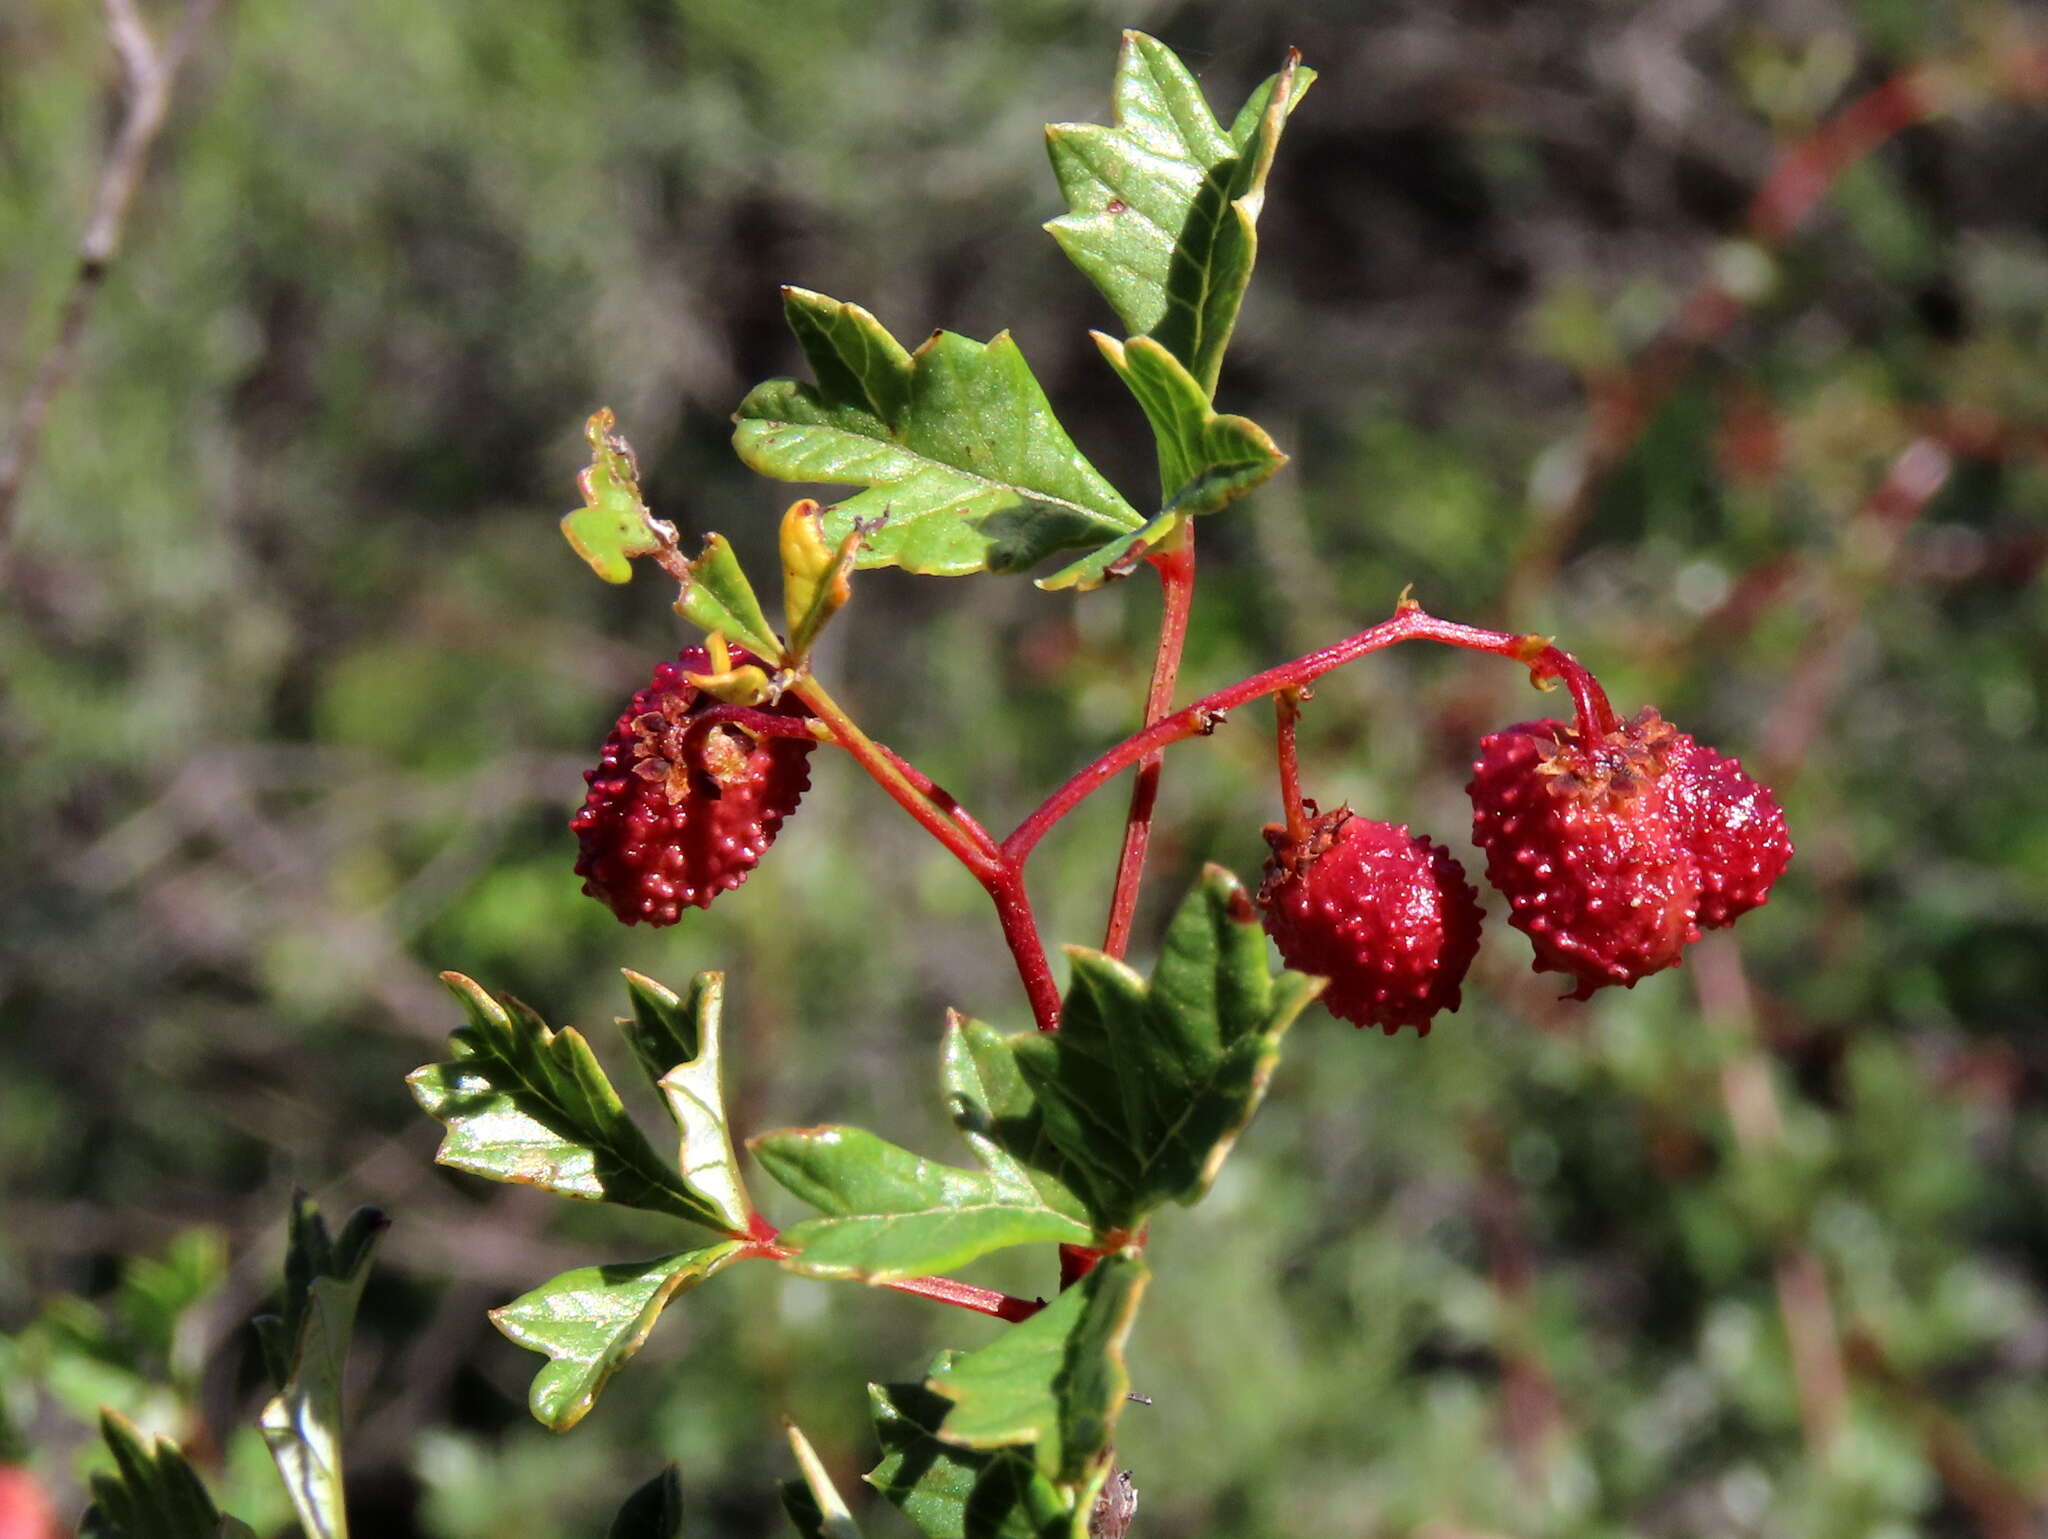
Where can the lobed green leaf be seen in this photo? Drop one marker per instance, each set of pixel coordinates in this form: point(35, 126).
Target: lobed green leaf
point(965, 465)
point(1055, 1383)
point(591, 1320)
point(677, 1041)
point(1146, 1086)
point(151, 1493)
point(1164, 203)
point(613, 525)
point(952, 1492)
point(718, 597)
point(529, 1105)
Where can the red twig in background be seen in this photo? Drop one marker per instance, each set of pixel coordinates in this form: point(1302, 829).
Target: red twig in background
point(1176, 568)
point(149, 74)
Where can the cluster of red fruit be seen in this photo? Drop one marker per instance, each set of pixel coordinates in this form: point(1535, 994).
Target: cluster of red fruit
point(1611, 850)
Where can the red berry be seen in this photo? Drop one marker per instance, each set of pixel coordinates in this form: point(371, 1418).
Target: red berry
point(1734, 825)
point(678, 811)
point(1385, 915)
point(1593, 856)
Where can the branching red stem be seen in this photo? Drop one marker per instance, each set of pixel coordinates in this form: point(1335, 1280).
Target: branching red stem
point(1176, 568)
point(1205, 715)
point(1286, 712)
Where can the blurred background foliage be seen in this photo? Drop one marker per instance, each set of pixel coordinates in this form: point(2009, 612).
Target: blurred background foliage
point(296, 680)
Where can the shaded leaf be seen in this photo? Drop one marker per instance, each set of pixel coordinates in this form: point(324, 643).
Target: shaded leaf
point(1055, 1383)
point(813, 1503)
point(307, 1348)
point(717, 597)
point(966, 467)
point(613, 525)
point(1146, 1085)
point(891, 1214)
point(591, 1320)
point(529, 1105)
point(151, 1493)
point(1163, 203)
point(950, 1492)
point(677, 1042)
point(655, 1511)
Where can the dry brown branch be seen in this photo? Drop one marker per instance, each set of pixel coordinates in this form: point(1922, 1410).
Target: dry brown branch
point(149, 73)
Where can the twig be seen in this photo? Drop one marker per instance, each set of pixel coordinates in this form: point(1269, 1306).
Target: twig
point(149, 74)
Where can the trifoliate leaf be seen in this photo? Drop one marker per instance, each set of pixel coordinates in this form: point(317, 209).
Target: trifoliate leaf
point(655, 1511)
point(1055, 1383)
point(152, 1492)
point(528, 1105)
point(813, 1503)
point(613, 526)
point(717, 597)
point(307, 1349)
point(677, 1043)
point(966, 467)
point(1164, 204)
point(590, 1320)
point(891, 1214)
point(950, 1492)
point(1146, 1085)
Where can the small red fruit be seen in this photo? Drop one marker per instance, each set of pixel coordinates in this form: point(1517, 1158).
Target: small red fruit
point(1594, 857)
point(1385, 915)
point(1734, 825)
point(679, 810)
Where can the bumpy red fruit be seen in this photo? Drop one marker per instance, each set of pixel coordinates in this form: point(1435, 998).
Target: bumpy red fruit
point(1734, 825)
point(679, 809)
point(1594, 857)
point(1385, 915)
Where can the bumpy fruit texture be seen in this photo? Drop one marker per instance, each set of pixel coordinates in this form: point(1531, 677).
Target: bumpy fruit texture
point(679, 810)
point(1385, 915)
point(1612, 853)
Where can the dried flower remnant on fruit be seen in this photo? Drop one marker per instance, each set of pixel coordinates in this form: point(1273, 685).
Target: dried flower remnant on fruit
point(1612, 852)
point(1384, 914)
point(681, 808)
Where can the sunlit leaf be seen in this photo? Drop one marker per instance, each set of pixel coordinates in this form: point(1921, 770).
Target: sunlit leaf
point(613, 525)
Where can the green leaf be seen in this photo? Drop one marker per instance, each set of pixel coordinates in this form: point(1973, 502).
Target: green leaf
point(655, 1511)
point(307, 1349)
point(591, 1320)
point(1164, 205)
point(1207, 460)
point(152, 1492)
point(997, 1112)
point(531, 1106)
point(1146, 1086)
point(613, 525)
point(717, 597)
point(891, 1214)
point(966, 467)
point(1057, 1382)
point(813, 1503)
point(950, 1492)
point(676, 1041)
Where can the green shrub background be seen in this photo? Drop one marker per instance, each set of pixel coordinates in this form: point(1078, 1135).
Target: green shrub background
point(296, 681)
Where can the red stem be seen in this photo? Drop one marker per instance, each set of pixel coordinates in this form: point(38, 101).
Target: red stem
point(1544, 661)
point(1286, 712)
point(1176, 568)
point(762, 1242)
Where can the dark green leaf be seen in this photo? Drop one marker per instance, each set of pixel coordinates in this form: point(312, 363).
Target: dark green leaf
point(1145, 1086)
point(813, 1503)
point(966, 467)
point(613, 525)
point(324, 1280)
point(717, 597)
point(997, 1112)
point(591, 1320)
point(677, 1042)
point(1164, 204)
point(529, 1105)
point(891, 1214)
point(152, 1492)
point(1056, 1382)
point(950, 1492)
point(655, 1511)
